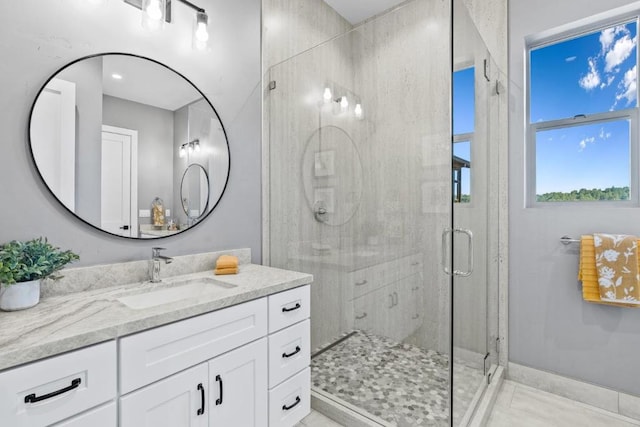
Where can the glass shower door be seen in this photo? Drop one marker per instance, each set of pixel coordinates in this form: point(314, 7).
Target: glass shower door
point(475, 219)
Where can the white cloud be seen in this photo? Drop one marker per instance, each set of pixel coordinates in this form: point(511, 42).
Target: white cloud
point(609, 35)
point(628, 86)
point(584, 142)
point(604, 135)
point(620, 51)
point(570, 58)
point(610, 80)
point(592, 79)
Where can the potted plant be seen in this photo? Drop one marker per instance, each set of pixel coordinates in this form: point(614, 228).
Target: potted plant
point(23, 265)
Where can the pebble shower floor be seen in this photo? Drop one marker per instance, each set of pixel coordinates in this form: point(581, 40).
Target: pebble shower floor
point(403, 384)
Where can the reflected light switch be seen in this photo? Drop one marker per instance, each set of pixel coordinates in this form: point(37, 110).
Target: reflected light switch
point(167, 212)
point(144, 213)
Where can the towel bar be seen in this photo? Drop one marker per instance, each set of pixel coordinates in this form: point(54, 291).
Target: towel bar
point(566, 240)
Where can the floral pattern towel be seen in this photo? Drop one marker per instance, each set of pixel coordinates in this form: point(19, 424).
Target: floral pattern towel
point(617, 267)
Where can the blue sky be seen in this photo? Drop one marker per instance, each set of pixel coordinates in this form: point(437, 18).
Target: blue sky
point(463, 117)
point(590, 74)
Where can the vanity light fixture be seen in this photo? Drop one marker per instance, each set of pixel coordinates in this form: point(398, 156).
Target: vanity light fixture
point(344, 104)
point(190, 146)
point(358, 111)
point(153, 14)
point(156, 12)
point(327, 95)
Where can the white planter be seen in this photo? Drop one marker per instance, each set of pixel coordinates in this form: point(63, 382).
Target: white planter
point(19, 295)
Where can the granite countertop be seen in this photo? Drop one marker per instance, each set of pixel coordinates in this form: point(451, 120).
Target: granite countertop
point(61, 323)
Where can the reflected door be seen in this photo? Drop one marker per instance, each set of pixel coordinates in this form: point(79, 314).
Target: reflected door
point(118, 200)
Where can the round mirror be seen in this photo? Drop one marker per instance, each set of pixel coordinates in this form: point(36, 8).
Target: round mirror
point(332, 175)
point(112, 135)
point(194, 191)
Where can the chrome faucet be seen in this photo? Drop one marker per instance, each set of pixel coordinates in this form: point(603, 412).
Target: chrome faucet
point(154, 267)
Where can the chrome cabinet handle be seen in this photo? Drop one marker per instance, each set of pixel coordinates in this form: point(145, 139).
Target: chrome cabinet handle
point(415, 317)
point(362, 316)
point(395, 298)
point(364, 282)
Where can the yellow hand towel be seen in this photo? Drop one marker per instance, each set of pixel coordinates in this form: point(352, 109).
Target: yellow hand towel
point(227, 261)
point(588, 273)
point(221, 271)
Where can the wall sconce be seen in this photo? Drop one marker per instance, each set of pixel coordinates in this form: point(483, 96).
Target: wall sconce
point(341, 99)
point(190, 146)
point(156, 12)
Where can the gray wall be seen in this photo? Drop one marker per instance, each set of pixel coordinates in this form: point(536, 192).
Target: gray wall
point(155, 148)
point(550, 327)
point(229, 75)
point(87, 75)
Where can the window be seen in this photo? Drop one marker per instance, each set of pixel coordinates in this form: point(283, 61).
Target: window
point(583, 117)
point(463, 128)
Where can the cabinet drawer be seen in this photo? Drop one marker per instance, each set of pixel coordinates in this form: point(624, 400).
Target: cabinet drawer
point(367, 280)
point(73, 382)
point(289, 352)
point(289, 307)
point(290, 401)
point(104, 416)
point(151, 355)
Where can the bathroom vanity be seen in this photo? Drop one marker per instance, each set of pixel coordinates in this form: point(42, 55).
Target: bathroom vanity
point(193, 350)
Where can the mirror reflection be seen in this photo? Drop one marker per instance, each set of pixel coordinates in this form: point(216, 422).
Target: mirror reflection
point(114, 135)
point(194, 191)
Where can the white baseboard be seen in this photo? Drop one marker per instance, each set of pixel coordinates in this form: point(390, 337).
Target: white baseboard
point(590, 394)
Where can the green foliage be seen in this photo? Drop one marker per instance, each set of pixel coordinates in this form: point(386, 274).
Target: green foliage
point(595, 194)
point(31, 260)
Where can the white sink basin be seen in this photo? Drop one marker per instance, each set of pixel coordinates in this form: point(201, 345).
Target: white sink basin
point(165, 293)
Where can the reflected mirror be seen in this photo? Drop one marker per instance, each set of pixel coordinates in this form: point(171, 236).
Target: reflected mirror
point(332, 175)
point(194, 191)
point(114, 135)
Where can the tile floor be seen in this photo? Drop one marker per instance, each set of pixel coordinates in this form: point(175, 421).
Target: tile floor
point(523, 406)
point(400, 383)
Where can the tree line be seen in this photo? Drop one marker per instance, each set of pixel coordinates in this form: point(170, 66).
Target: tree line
point(611, 193)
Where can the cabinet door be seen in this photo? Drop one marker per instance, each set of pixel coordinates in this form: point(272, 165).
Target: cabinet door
point(177, 401)
point(238, 387)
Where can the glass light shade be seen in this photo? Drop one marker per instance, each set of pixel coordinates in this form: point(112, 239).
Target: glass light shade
point(182, 151)
point(327, 95)
point(153, 14)
point(358, 110)
point(197, 146)
point(344, 104)
point(190, 148)
point(201, 31)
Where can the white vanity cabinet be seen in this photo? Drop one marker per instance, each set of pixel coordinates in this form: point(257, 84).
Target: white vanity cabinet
point(387, 299)
point(53, 390)
point(289, 357)
point(215, 369)
point(241, 366)
point(230, 390)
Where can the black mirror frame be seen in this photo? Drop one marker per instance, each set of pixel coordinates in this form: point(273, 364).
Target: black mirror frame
point(33, 159)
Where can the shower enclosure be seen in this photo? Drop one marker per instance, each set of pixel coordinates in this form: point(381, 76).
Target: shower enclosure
point(392, 209)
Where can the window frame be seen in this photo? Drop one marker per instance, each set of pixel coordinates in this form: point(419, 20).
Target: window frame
point(630, 114)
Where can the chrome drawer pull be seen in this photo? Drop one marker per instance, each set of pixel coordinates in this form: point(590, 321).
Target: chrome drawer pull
point(415, 316)
point(32, 398)
point(285, 309)
point(364, 282)
point(286, 408)
point(415, 263)
point(362, 316)
point(296, 351)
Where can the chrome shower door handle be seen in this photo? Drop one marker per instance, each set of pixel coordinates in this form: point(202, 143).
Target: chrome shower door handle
point(445, 252)
point(469, 270)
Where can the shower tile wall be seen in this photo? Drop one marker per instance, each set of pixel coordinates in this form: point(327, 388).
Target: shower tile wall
point(398, 66)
